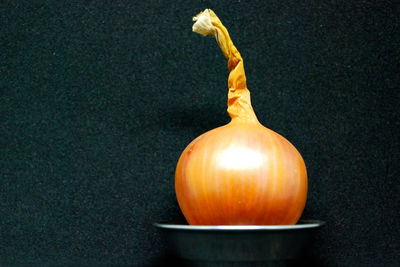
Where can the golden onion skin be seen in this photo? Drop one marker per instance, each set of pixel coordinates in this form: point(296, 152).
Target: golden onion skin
point(241, 173)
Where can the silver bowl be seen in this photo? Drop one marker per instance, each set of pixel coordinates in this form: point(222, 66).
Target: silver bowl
point(239, 245)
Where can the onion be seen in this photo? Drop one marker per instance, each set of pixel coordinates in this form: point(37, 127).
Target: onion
point(242, 172)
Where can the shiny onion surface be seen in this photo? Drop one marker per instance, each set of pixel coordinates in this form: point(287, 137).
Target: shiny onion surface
point(242, 172)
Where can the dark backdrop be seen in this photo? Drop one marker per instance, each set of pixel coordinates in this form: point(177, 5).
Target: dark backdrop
point(99, 98)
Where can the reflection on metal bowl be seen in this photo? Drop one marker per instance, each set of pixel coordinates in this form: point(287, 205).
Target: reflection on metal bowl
point(239, 245)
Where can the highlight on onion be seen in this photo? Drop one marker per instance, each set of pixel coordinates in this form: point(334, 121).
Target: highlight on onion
point(242, 172)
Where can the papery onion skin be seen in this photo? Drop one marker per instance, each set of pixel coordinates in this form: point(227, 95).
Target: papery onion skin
point(266, 184)
point(242, 172)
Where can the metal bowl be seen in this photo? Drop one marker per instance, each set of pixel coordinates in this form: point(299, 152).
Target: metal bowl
point(213, 245)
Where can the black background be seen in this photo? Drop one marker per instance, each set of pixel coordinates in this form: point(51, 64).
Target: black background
point(99, 98)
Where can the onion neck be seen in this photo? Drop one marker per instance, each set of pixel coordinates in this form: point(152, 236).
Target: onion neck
point(239, 102)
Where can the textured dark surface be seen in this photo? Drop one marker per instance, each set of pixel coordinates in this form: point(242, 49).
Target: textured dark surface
point(99, 98)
